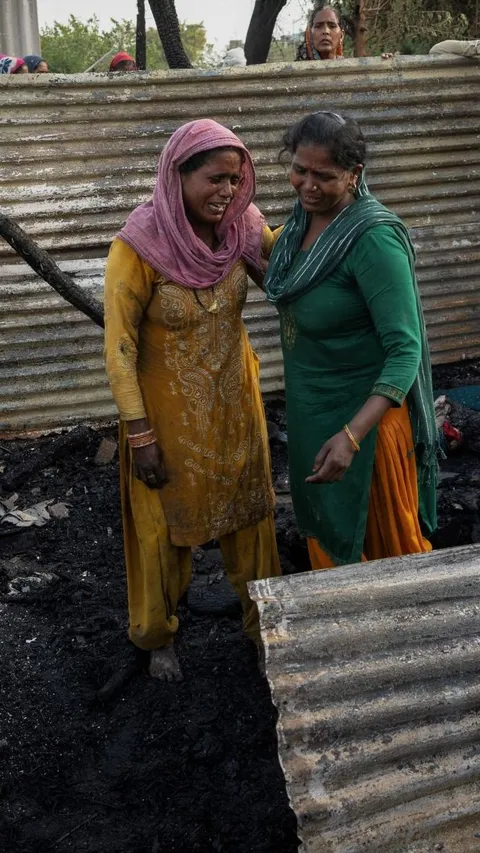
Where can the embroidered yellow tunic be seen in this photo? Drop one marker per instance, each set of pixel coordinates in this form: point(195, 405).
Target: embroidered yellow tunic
point(183, 359)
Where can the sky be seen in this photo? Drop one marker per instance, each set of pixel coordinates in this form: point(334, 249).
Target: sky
point(224, 19)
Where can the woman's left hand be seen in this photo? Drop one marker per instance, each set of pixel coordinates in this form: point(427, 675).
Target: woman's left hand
point(332, 460)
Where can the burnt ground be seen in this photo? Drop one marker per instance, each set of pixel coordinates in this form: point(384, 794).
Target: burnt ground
point(144, 767)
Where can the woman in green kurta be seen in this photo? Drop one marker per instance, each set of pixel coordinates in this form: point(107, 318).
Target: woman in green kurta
point(357, 369)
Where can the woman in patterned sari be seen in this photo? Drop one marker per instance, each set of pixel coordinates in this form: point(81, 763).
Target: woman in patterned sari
point(194, 455)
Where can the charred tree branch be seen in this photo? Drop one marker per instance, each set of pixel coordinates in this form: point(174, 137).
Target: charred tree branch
point(168, 27)
point(260, 31)
point(141, 37)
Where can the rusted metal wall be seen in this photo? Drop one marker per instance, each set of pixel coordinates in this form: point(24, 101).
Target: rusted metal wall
point(376, 677)
point(78, 153)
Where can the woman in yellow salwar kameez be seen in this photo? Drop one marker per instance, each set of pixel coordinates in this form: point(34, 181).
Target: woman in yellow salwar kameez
point(194, 458)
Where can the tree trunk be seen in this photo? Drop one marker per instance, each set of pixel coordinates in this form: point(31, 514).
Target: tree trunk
point(40, 261)
point(141, 40)
point(260, 32)
point(166, 19)
point(360, 24)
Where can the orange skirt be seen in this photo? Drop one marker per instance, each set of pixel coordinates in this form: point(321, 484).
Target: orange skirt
point(393, 526)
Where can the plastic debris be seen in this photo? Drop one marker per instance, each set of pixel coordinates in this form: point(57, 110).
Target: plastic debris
point(453, 437)
point(442, 410)
point(33, 516)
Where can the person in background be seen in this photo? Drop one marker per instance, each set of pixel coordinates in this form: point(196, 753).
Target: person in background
point(194, 454)
point(362, 435)
point(234, 58)
point(36, 64)
point(467, 49)
point(123, 62)
point(12, 65)
point(324, 35)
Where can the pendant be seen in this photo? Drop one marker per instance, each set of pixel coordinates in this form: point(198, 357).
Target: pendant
point(213, 307)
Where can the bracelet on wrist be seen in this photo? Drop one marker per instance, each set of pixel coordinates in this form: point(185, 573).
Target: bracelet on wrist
point(140, 434)
point(144, 440)
point(353, 440)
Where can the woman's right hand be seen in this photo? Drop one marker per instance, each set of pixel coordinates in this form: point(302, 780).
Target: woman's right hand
point(148, 466)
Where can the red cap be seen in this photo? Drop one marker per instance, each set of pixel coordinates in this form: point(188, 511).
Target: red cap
point(120, 57)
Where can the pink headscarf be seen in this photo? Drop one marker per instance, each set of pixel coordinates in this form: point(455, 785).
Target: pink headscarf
point(160, 232)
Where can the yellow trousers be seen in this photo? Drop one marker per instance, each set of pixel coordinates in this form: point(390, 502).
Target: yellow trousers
point(158, 573)
point(393, 526)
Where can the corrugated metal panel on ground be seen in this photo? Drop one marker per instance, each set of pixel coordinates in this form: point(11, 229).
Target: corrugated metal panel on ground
point(375, 675)
point(78, 153)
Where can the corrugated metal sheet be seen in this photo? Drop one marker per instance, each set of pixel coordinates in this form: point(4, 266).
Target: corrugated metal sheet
point(19, 27)
point(375, 674)
point(78, 153)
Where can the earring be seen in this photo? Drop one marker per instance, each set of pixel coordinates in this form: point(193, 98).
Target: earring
point(352, 189)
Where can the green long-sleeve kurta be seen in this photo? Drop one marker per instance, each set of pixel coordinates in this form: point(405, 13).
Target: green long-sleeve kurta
point(354, 335)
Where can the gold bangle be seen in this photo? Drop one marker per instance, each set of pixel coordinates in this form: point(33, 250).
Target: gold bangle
point(140, 434)
point(352, 438)
point(145, 441)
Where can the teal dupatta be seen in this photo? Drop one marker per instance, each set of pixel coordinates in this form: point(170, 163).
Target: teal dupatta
point(284, 285)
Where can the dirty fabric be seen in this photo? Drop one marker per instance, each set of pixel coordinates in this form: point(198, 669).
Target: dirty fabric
point(393, 526)
point(452, 48)
point(158, 573)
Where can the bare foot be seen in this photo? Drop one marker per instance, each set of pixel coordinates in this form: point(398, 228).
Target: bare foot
point(164, 665)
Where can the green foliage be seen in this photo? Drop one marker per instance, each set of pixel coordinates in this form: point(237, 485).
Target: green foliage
point(406, 26)
point(468, 8)
point(282, 50)
point(71, 48)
